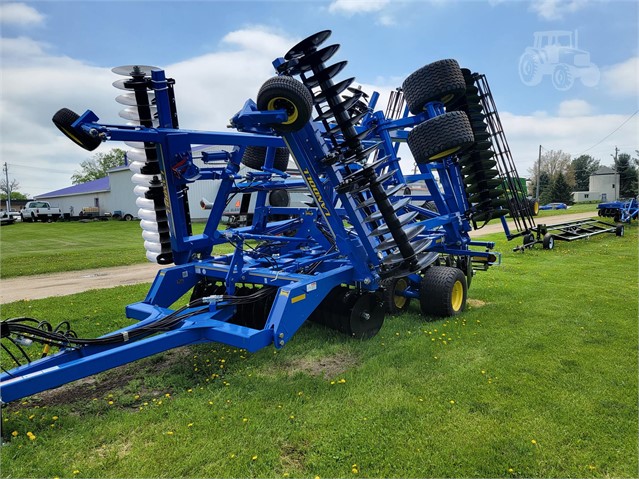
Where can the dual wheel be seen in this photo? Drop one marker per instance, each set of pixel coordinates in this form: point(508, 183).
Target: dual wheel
point(446, 134)
point(442, 293)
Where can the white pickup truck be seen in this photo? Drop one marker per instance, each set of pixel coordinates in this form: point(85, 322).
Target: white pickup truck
point(40, 211)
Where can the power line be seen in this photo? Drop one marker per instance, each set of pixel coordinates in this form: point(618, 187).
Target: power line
point(37, 168)
point(609, 134)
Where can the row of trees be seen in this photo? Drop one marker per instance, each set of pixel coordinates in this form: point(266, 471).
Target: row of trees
point(560, 175)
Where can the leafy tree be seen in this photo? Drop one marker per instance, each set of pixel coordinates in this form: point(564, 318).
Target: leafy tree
point(582, 167)
point(627, 169)
point(553, 162)
point(15, 195)
point(98, 165)
point(10, 190)
point(560, 190)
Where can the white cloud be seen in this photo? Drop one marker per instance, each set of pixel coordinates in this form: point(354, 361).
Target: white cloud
point(351, 7)
point(20, 14)
point(210, 89)
point(556, 9)
point(573, 135)
point(623, 78)
point(571, 108)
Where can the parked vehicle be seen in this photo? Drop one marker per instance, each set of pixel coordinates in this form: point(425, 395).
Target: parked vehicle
point(121, 215)
point(40, 211)
point(554, 206)
point(8, 217)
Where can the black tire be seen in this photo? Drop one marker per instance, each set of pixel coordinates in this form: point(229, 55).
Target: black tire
point(440, 136)
point(443, 291)
point(63, 119)
point(286, 93)
point(438, 81)
point(549, 241)
point(279, 197)
point(393, 303)
point(255, 157)
point(529, 240)
point(534, 206)
point(619, 230)
point(128, 217)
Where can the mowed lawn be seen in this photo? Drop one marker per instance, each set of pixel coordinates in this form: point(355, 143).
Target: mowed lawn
point(39, 248)
point(538, 378)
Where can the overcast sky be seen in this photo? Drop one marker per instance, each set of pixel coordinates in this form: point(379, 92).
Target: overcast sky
point(60, 54)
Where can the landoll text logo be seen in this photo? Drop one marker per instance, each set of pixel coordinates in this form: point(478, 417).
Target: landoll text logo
point(557, 54)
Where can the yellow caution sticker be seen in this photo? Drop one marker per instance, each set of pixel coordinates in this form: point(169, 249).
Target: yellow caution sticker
point(301, 297)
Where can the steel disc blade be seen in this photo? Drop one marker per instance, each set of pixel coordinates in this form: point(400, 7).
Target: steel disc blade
point(120, 84)
point(483, 185)
point(309, 43)
point(130, 70)
point(128, 99)
point(307, 62)
point(475, 155)
point(366, 317)
point(133, 114)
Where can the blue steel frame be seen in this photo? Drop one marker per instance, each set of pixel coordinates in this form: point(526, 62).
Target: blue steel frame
point(304, 265)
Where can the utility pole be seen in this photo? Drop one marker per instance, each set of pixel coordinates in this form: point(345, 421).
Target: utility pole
point(6, 176)
point(618, 182)
point(538, 173)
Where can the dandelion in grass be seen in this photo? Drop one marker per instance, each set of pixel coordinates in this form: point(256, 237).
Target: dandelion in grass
point(452, 401)
point(342, 381)
point(534, 443)
point(511, 470)
point(110, 403)
point(76, 472)
point(14, 433)
point(254, 458)
point(55, 418)
point(169, 433)
point(189, 424)
point(31, 436)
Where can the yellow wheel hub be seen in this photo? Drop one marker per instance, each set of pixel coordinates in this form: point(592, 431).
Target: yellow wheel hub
point(281, 103)
point(457, 296)
point(450, 151)
point(400, 301)
point(447, 98)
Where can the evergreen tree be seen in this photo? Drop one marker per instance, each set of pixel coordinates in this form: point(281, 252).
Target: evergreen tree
point(625, 166)
point(544, 188)
point(560, 190)
point(582, 168)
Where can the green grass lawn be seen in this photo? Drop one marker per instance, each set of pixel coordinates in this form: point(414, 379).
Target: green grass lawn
point(38, 248)
point(538, 378)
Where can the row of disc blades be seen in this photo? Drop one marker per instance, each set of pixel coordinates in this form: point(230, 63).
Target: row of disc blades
point(340, 114)
point(478, 166)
